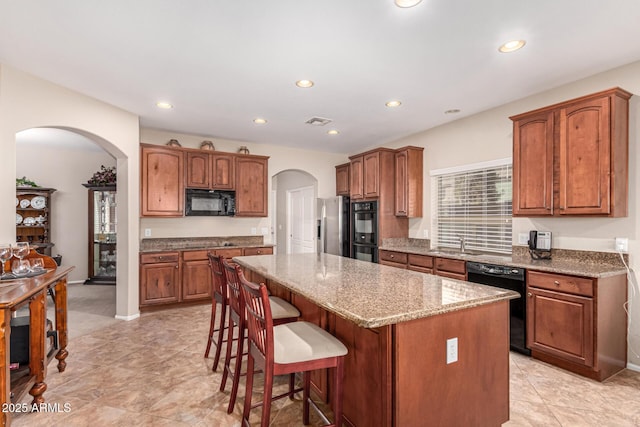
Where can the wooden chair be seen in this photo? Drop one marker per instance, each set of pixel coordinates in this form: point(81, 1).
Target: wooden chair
point(286, 349)
point(220, 296)
point(283, 313)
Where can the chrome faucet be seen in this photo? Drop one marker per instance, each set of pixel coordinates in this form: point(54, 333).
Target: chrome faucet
point(461, 243)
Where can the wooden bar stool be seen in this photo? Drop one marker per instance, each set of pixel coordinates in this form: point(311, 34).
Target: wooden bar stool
point(220, 296)
point(283, 312)
point(286, 349)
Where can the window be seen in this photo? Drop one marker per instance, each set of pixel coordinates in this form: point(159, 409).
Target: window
point(473, 203)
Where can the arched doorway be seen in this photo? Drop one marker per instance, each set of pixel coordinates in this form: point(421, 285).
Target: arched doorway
point(284, 184)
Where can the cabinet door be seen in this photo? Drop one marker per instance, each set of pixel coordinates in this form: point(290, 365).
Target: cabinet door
point(159, 283)
point(356, 179)
point(585, 158)
point(258, 251)
point(196, 280)
point(371, 173)
point(198, 170)
point(162, 183)
point(402, 202)
point(251, 186)
point(561, 325)
point(223, 171)
point(342, 180)
point(533, 165)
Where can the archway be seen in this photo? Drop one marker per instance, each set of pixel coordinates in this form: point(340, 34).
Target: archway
point(282, 183)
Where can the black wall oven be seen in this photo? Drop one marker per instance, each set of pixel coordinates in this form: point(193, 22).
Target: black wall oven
point(513, 279)
point(365, 231)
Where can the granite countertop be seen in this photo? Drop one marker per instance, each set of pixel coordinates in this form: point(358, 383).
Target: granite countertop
point(370, 295)
point(588, 265)
point(195, 243)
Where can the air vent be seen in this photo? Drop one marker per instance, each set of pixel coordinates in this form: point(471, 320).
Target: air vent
point(318, 121)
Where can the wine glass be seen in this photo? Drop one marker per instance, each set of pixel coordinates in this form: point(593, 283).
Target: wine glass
point(6, 252)
point(21, 250)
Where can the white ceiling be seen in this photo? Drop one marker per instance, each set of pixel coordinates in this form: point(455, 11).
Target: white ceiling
point(222, 63)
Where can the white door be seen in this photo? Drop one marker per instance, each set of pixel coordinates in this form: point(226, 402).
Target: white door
point(300, 220)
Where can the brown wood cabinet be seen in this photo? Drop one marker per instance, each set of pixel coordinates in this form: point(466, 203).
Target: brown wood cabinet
point(196, 275)
point(365, 175)
point(408, 179)
point(251, 185)
point(223, 171)
point(356, 178)
point(162, 181)
point(577, 322)
point(33, 217)
point(159, 278)
point(258, 251)
point(198, 170)
point(342, 180)
point(421, 263)
point(572, 158)
point(209, 170)
point(392, 258)
point(452, 268)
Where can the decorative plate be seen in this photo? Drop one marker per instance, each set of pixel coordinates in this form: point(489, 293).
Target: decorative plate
point(17, 201)
point(18, 218)
point(24, 203)
point(39, 202)
point(29, 220)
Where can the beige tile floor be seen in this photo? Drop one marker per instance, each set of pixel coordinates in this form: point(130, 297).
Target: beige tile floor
point(151, 372)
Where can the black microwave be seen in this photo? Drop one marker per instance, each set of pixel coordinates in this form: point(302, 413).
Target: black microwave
point(210, 202)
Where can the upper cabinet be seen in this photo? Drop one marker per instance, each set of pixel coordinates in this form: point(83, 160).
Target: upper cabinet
point(342, 180)
point(356, 178)
point(572, 158)
point(251, 185)
point(365, 175)
point(162, 181)
point(210, 170)
point(408, 192)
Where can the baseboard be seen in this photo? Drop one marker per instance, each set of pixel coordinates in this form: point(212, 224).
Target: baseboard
point(633, 367)
point(127, 318)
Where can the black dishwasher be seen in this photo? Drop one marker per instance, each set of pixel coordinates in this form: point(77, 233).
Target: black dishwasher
point(513, 279)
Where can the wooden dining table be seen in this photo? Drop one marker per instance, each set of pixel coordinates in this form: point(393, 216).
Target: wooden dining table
point(32, 292)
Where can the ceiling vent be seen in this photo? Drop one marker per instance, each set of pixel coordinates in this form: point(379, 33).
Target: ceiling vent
point(318, 121)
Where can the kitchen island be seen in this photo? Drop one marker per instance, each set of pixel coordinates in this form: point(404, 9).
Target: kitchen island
point(398, 326)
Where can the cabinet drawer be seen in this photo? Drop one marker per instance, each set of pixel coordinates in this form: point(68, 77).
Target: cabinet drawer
point(459, 276)
point(159, 257)
point(393, 264)
point(424, 261)
point(229, 253)
point(561, 283)
point(396, 257)
point(258, 251)
point(451, 265)
point(420, 269)
point(195, 255)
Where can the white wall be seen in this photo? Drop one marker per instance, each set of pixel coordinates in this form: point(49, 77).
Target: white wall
point(27, 102)
point(488, 136)
point(318, 164)
point(69, 228)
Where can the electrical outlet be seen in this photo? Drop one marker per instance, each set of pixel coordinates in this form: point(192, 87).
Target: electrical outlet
point(425, 234)
point(147, 232)
point(254, 230)
point(264, 231)
point(523, 238)
point(622, 244)
point(452, 350)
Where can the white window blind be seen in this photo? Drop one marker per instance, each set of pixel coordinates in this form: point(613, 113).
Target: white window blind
point(474, 204)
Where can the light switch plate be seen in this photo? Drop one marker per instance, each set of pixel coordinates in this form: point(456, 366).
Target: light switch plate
point(452, 350)
point(147, 232)
point(622, 244)
point(254, 230)
point(523, 238)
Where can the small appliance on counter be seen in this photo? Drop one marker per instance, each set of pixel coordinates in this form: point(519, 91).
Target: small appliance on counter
point(540, 244)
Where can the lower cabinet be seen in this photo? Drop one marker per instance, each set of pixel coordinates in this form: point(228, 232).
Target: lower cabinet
point(451, 268)
point(182, 276)
point(393, 258)
point(577, 323)
point(159, 278)
point(446, 267)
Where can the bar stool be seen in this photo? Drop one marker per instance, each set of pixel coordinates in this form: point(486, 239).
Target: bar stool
point(220, 296)
point(283, 312)
point(286, 349)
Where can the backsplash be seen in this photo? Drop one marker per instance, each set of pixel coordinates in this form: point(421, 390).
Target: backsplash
point(179, 243)
point(612, 258)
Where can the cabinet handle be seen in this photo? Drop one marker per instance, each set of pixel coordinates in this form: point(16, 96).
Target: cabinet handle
point(176, 265)
point(555, 282)
point(392, 256)
point(259, 252)
point(529, 294)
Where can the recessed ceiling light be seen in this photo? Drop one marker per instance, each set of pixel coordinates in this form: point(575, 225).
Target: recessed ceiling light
point(333, 132)
point(393, 103)
point(163, 104)
point(406, 3)
point(304, 83)
point(452, 111)
point(512, 46)
point(259, 121)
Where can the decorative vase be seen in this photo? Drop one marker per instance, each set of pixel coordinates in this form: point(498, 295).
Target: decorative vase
point(243, 150)
point(207, 145)
point(173, 143)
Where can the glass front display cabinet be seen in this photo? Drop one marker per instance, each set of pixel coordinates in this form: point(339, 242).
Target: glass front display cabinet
point(102, 235)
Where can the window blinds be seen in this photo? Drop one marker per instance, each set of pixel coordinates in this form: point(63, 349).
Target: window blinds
point(475, 205)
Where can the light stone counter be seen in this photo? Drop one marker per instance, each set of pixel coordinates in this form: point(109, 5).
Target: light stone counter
point(370, 295)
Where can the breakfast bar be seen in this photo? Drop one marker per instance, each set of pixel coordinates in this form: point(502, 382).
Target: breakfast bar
point(423, 349)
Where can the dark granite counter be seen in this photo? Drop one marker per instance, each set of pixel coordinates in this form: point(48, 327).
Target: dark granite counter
point(194, 243)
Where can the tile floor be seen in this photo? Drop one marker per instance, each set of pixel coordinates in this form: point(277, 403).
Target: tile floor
point(151, 372)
